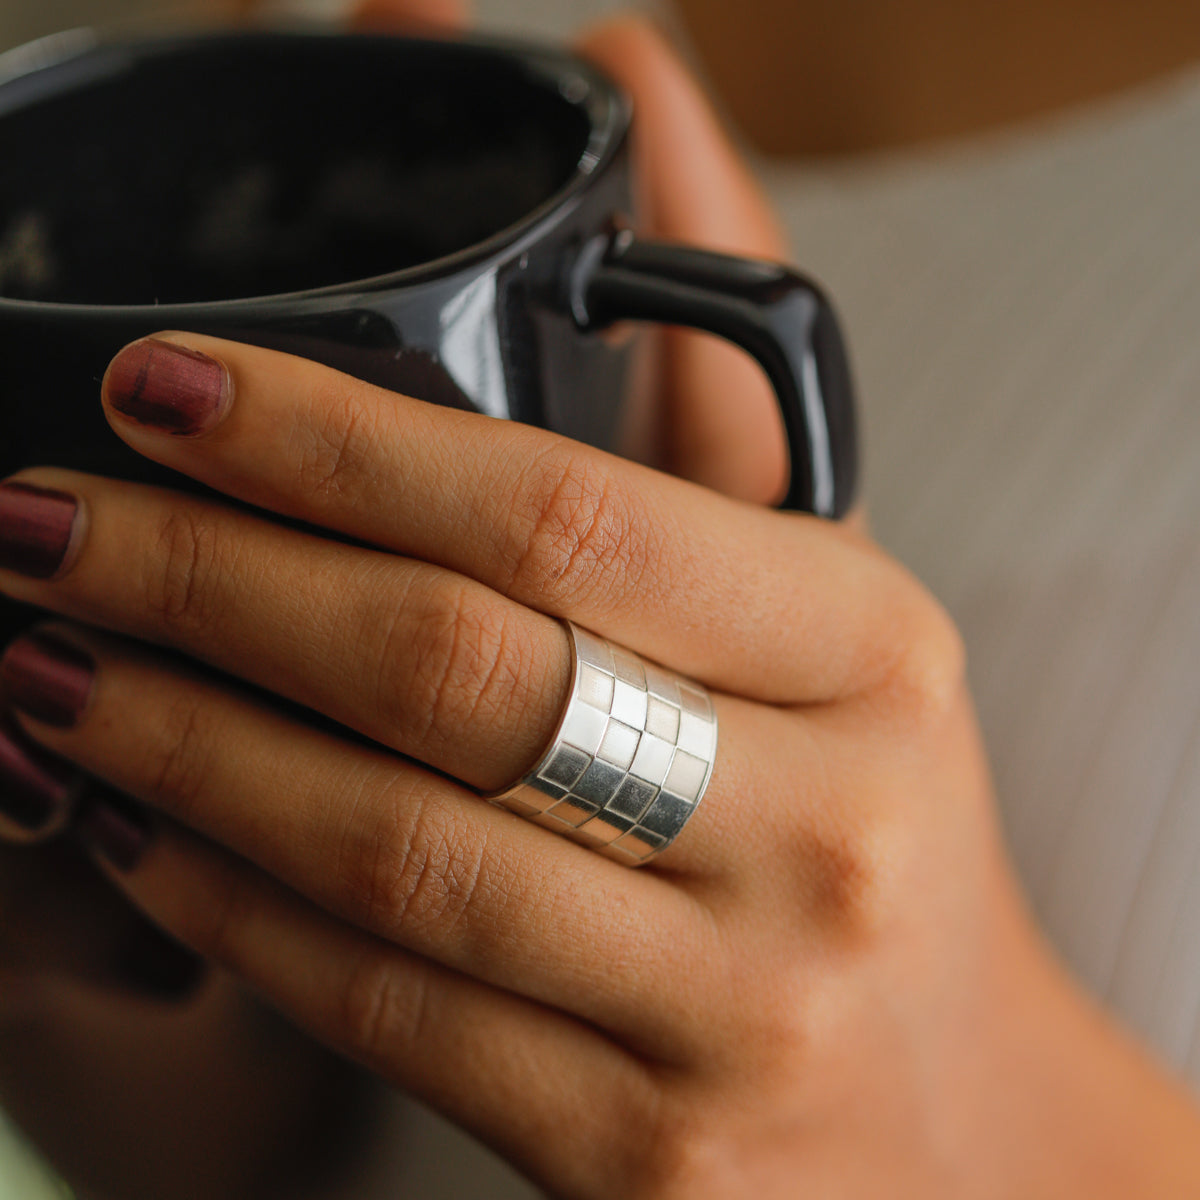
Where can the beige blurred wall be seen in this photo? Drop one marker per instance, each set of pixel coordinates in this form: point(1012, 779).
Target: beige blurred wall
point(21, 20)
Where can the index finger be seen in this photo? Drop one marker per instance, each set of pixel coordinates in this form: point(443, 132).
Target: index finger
point(783, 608)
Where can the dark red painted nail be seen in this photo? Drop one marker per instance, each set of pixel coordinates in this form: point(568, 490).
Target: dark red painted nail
point(37, 791)
point(48, 678)
point(168, 387)
point(114, 828)
point(36, 525)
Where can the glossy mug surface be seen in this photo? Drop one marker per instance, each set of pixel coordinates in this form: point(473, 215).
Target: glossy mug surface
point(448, 219)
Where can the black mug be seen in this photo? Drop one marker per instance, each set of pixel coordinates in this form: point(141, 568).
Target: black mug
point(450, 219)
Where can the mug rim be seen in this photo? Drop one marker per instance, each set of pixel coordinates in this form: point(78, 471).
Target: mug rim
point(608, 110)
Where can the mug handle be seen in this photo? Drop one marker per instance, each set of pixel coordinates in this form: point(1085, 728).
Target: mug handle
point(773, 313)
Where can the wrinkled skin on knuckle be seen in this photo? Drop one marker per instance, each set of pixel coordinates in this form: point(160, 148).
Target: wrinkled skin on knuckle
point(381, 1011)
point(580, 537)
point(191, 550)
point(179, 758)
point(418, 876)
point(452, 661)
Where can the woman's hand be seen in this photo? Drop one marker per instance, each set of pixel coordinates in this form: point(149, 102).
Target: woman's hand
point(836, 899)
point(826, 986)
point(822, 986)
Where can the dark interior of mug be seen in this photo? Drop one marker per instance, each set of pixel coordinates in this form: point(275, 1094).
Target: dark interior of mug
point(249, 166)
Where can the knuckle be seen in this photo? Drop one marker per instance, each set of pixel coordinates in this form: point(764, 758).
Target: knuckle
point(418, 878)
point(190, 551)
point(580, 537)
point(180, 759)
point(927, 667)
point(843, 879)
point(687, 1157)
point(338, 439)
point(383, 1009)
point(451, 660)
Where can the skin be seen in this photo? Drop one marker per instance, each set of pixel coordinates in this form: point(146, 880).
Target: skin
point(827, 986)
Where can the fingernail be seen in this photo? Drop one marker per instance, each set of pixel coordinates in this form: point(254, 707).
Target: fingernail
point(48, 678)
point(114, 828)
point(168, 387)
point(36, 529)
point(37, 791)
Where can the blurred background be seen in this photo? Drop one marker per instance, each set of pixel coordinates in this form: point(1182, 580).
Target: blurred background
point(1002, 200)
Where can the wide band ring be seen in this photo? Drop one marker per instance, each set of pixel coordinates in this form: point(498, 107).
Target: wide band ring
point(630, 759)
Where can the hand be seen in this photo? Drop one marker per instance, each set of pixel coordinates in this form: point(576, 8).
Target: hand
point(826, 986)
point(822, 986)
point(519, 982)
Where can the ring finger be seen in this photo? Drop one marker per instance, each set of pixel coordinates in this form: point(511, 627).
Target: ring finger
point(377, 841)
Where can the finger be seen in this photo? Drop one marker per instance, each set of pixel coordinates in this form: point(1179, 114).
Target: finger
point(57, 918)
point(38, 793)
point(401, 14)
point(368, 14)
point(403, 854)
point(723, 418)
point(716, 589)
point(700, 188)
point(540, 1088)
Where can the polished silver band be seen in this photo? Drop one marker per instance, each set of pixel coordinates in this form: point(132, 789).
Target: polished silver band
point(630, 759)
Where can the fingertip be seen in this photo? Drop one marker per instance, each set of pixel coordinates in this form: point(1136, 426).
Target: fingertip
point(39, 792)
point(165, 385)
point(623, 30)
point(43, 527)
point(115, 830)
point(48, 676)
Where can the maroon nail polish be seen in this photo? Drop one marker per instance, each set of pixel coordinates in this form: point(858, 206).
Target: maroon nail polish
point(47, 677)
point(36, 525)
point(168, 387)
point(37, 791)
point(115, 828)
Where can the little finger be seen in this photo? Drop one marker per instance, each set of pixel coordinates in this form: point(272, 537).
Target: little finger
point(379, 842)
point(544, 1090)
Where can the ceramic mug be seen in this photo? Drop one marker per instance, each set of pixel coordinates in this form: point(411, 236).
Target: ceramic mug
point(450, 219)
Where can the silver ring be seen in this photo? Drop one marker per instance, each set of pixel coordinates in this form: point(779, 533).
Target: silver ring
point(630, 759)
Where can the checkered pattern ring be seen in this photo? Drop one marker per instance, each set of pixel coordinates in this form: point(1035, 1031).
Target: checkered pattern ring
point(630, 759)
